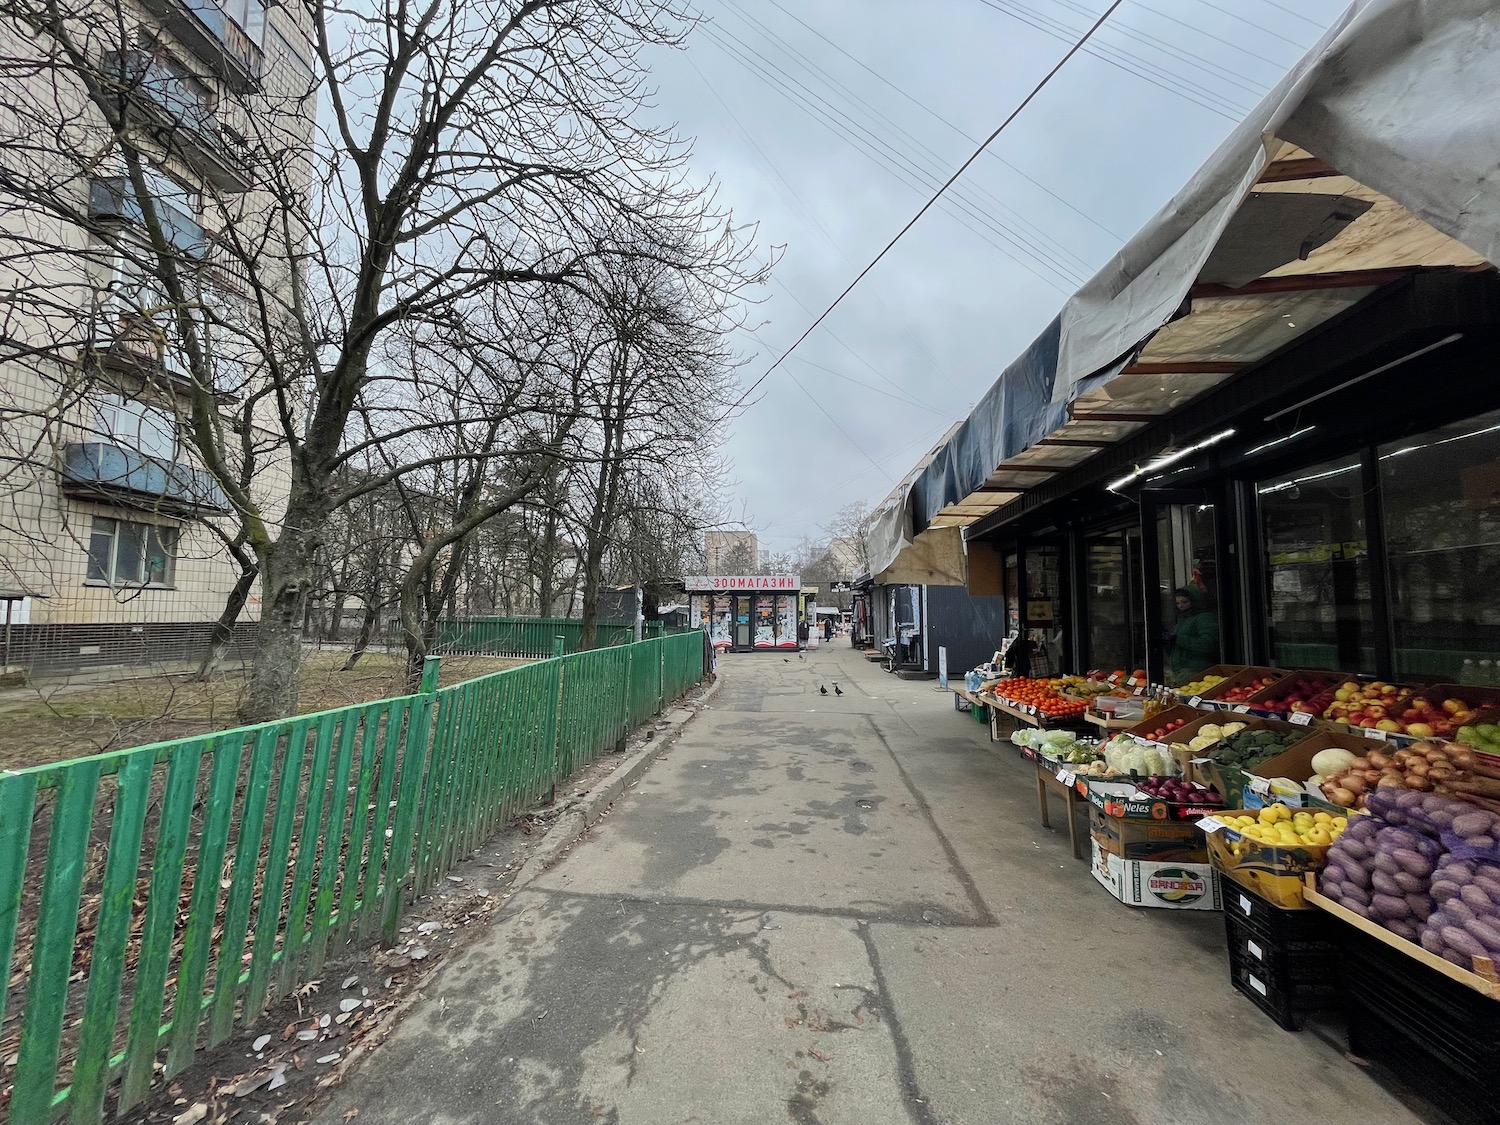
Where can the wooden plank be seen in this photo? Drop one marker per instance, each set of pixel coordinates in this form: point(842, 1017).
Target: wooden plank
point(1185, 366)
point(17, 803)
point(52, 958)
point(111, 935)
point(1300, 168)
point(1304, 283)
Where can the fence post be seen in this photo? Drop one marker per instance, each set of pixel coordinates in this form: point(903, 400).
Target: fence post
point(661, 674)
point(419, 727)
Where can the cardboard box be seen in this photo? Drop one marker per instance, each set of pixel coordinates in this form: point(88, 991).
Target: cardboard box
point(1277, 874)
point(1192, 718)
point(1230, 781)
point(1245, 675)
point(1282, 686)
point(1174, 841)
point(1123, 800)
point(1170, 886)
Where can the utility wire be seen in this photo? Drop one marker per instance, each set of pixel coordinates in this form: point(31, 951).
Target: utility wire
point(1224, 108)
point(1050, 245)
point(962, 168)
point(1293, 12)
point(935, 114)
point(862, 138)
point(1252, 23)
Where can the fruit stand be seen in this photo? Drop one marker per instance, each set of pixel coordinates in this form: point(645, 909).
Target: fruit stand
point(1326, 837)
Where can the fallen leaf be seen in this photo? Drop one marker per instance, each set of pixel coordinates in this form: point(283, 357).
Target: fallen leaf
point(328, 1058)
point(260, 1044)
point(192, 1115)
point(350, 1114)
point(349, 982)
point(349, 1004)
point(817, 1054)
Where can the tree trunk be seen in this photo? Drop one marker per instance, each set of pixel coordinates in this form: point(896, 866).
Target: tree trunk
point(219, 640)
point(366, 631)
point(286, 585)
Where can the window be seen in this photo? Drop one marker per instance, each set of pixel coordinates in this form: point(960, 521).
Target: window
point(1440, 496)
point(1318, 568)
point(135, 425)
point(132, 554)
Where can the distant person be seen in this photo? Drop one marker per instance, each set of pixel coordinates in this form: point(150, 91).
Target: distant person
point(1195, 644)
point(1018, 657)
point(828, 628)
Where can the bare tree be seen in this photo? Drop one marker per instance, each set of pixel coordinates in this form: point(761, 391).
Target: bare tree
point(459, 148)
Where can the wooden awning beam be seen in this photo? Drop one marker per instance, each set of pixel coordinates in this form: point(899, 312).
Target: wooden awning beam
point(1303, 168)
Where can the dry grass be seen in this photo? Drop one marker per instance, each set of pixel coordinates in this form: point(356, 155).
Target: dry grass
point(57, 721)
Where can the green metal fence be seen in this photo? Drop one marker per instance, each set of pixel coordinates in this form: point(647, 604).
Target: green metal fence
point(151, 899)
point(528, 636)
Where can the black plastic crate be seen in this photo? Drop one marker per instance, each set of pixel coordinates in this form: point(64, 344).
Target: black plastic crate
point(1284, 928)
point(1282, 960)
point(1465, 1099)
point(1287, 964)
point(1455, 1024)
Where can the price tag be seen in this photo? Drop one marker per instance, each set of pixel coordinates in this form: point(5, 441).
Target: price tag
point(1211, 824)
point(1114, 678)
point(1301, 719)
point(1376, 734)
point(1196, 701)
point(1140, 691)
point(1258, 784)
point(1241, 709)
point(1201, 761)
point(1067, 779)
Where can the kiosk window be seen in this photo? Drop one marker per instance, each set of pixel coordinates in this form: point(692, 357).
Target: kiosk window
point(1318, 568)
point(1440, 496)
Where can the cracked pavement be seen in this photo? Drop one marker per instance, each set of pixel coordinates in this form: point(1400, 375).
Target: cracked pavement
point(825, 910)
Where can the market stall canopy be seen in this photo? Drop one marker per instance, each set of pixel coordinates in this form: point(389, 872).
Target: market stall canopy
point(1377, 155)
point(933, 558)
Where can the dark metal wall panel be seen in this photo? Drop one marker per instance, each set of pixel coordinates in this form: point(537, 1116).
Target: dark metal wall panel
point(970, 628)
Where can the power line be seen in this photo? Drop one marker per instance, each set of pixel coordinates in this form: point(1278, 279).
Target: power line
point(1052, 246)
point(862, 138)
point(962, 168)
point(934, 113)
point(1122, 61)
point(1252, 23)
point(1293, 12)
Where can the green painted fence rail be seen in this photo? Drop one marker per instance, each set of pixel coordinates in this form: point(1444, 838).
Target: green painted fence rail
point(528, 636)
point(153, 899)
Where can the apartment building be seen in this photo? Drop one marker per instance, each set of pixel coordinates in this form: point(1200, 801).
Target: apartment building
point(111, 529)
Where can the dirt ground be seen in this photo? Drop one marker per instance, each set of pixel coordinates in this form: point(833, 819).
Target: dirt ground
point(57, 720)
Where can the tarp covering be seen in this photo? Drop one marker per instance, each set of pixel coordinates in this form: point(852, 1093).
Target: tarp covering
point(1401, 95)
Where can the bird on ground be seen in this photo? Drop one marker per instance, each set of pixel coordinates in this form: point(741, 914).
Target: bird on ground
point(837, 690)
point(800, 656)
point(785, 660)
point(822, 690)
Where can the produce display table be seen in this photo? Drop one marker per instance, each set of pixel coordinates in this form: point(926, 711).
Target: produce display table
point(962, 695)
point(1060, 780)
point(1107, 723)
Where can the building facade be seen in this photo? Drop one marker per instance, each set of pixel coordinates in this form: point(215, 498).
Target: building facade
point(731, 552)
point(137, 241)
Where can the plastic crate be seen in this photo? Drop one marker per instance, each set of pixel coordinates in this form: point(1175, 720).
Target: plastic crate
point(1466, 1100)
point(1458, 1026)
point(1283, 961)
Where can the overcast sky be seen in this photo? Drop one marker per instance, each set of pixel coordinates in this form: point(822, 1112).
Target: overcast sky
point(830, 122)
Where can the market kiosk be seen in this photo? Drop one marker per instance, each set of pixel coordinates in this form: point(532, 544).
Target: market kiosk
point(750, 613)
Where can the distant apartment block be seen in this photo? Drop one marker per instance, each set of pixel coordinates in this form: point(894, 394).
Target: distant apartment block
point(731, 552)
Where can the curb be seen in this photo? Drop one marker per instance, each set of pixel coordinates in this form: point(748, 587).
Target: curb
point(571, 826)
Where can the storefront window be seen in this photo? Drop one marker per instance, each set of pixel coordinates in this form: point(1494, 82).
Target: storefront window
point(1440, 495)
point(1318, 568)
point(1188, 589)
point(1043, 609)
point(1114, 601)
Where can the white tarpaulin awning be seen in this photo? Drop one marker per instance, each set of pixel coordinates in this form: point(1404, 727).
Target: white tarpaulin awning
point(1378, 153)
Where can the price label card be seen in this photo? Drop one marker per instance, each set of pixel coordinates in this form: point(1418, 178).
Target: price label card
point(1377, 735)
point(1196, 701)
point(1241, 709)
point(1301, 719)
point(1114, 678)
point(1211, 824)
point(1258, 784)
point(1140, 691)
point(1066, 778)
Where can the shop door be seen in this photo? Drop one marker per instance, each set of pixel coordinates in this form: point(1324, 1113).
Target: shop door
point(1184, 635)
point(742, 621)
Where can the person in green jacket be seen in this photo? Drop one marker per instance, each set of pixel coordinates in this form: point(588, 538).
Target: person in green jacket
point(1195, 644)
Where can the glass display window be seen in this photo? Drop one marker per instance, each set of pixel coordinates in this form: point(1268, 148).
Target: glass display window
point(1440, 505)
point(1317, 566)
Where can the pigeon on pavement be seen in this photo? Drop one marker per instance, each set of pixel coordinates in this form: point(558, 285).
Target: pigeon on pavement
point(822, 690)
point(837, 690)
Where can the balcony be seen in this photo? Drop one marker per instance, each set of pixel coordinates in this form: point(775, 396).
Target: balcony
point(207, 30)
point(102, 471)
point(186, 126)
point(113, 198)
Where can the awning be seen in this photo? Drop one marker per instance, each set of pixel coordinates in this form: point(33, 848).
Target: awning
point(1378, 154)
